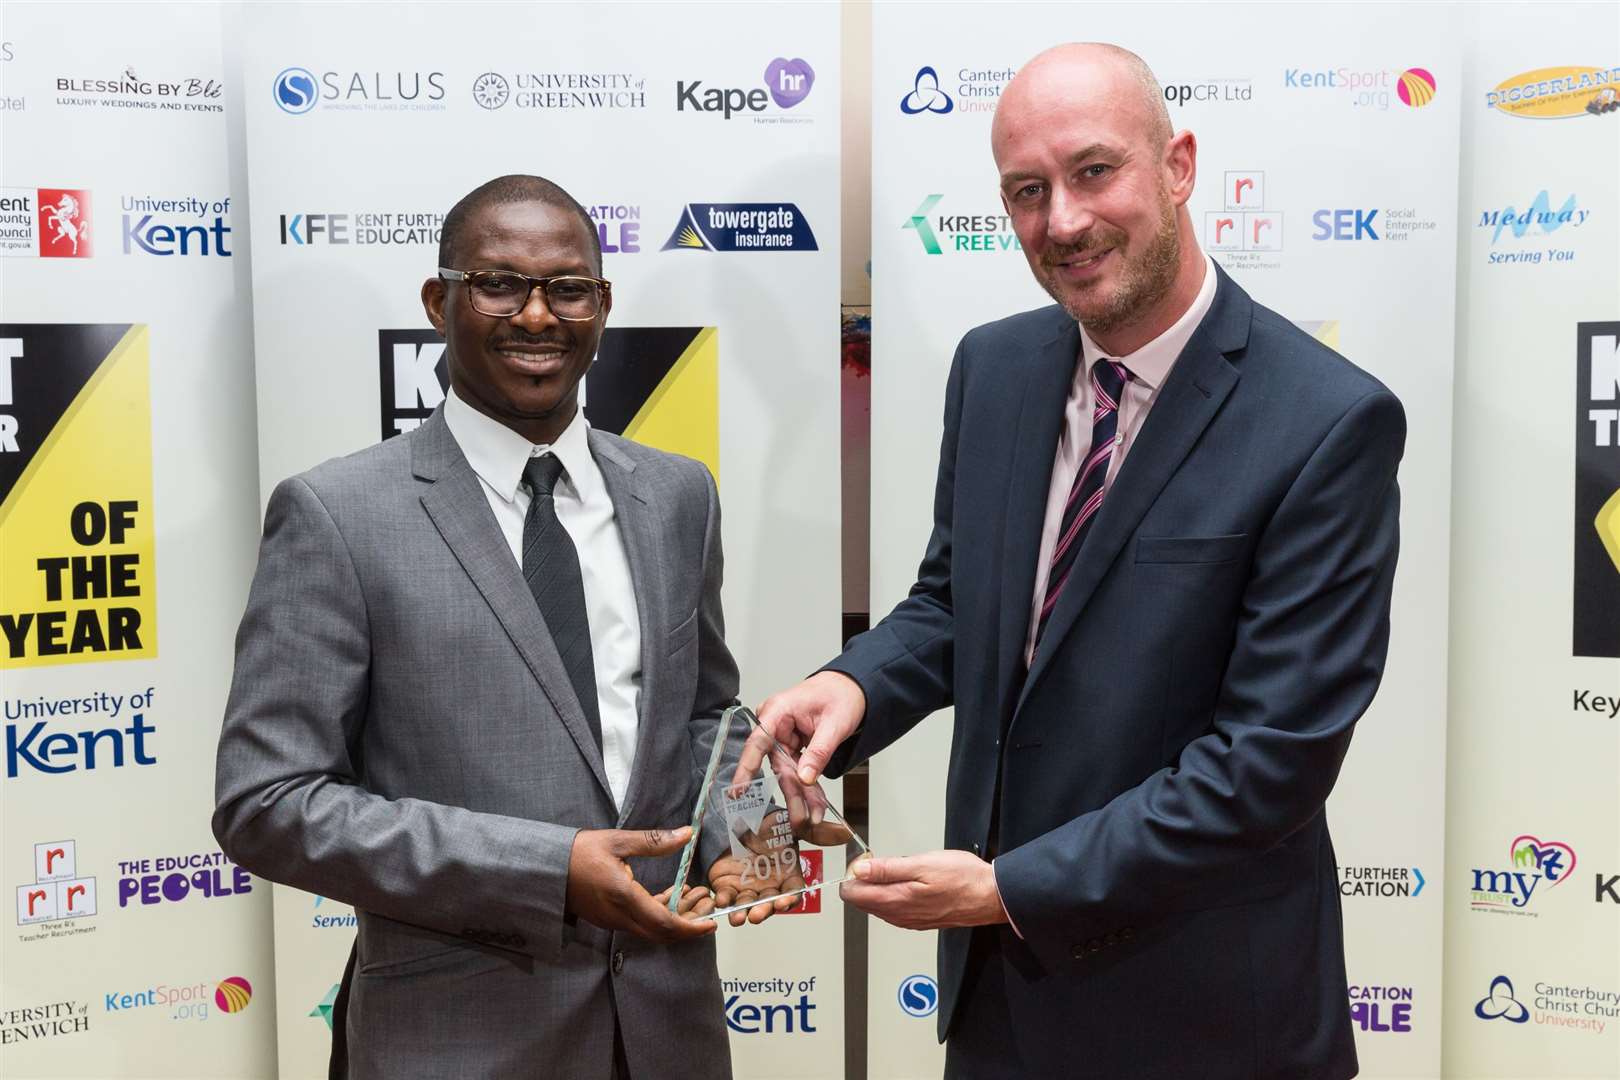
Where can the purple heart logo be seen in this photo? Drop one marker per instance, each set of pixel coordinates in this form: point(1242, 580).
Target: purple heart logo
point(789, 81)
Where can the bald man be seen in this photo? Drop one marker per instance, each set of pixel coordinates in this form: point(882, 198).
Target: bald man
point(1157, 593)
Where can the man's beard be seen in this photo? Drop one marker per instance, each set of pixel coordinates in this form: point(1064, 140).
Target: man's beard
point(1145, 279)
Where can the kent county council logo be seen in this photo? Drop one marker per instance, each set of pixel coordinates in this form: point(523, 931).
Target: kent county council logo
point(1416, 87)
point(233, 995)
point(1500, 1004)
point(294, 90)
point(926, 96)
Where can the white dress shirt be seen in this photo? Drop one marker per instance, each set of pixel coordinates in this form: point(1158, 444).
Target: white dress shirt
point(498, 454)
point(1149, 367)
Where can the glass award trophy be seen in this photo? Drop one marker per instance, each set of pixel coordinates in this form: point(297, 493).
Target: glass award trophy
point(775, 825)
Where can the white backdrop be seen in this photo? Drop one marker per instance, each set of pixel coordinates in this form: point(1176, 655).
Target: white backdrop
point(1268, 147)
point(1526, 758)
point(135, 985)
point(362, 148)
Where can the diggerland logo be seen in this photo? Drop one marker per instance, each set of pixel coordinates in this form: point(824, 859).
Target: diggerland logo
point(1557, 93)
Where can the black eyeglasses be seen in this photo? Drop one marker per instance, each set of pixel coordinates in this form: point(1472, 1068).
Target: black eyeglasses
point(503, 293)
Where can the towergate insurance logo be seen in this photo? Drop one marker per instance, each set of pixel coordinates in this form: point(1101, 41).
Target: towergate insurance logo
point(741, 227)
point(1366, 88)
point(1557, 93)
point(47, 223)
point(1534, 868)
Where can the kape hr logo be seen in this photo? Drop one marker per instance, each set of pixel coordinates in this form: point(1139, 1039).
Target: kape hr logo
point(1500, 1004)
point(295, 90)
point(741, 227)
point(926, 96)
point(787, 82)
point(919, 996)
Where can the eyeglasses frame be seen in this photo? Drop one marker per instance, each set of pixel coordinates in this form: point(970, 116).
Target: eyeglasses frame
point(604, 289)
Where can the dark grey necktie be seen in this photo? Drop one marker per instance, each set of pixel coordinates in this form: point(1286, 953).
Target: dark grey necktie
point(551, 567)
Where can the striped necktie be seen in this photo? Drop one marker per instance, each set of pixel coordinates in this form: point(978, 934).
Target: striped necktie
point(1108, 379)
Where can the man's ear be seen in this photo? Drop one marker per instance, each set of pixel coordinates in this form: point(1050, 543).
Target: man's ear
point(433, 296)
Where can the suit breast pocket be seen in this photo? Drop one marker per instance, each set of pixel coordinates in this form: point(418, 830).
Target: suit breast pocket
point(678, 638)
point(1191, 549)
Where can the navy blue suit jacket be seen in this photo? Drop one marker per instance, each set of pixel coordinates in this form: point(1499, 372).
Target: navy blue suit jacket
point(1165, 761)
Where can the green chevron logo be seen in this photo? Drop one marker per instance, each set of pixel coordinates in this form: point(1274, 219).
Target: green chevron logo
point(919, 221)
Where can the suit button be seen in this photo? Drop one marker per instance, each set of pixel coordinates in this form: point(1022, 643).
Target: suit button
point(1110, 939)
point(618, 961)
point(977, 850)
point(1094, 945)
point(1078, 952)
point(1128, 934)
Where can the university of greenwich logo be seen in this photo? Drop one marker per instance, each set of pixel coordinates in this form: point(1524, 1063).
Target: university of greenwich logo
point(552, 91)
point(741, 227)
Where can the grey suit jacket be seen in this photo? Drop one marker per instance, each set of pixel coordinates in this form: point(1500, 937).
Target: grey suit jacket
point(401, 735)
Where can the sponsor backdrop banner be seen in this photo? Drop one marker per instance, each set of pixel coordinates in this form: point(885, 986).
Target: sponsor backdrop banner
point(1533, 823)
point(1327, 188)
point(128, 488)
point(703, 140)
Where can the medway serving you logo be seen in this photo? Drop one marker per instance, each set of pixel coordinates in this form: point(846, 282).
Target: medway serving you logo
point(1535, 863)
point(741, 227)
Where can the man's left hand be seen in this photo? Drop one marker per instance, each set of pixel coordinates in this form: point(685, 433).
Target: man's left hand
point(927, 892)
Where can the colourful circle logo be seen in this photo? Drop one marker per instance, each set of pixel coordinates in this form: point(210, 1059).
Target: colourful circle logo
point(1416, 87)
point(233, 994)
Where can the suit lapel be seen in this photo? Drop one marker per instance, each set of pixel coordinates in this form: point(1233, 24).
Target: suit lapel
point(1038, 424)
point(638, 527)
point(458, 508)
point(1191, 396)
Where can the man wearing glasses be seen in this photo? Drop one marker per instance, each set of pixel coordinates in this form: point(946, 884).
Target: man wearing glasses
point(478, 666)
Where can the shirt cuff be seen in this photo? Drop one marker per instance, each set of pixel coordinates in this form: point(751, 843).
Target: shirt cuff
point(1003, 904)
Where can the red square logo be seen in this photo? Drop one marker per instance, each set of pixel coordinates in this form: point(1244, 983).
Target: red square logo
point(64, 223)
point(810, 867)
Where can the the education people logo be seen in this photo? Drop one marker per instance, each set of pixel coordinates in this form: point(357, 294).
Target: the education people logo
point(1557, 93)
point(1535, 866)
point(926, 95)
point(295, 90)
point(1596, 585)
point(1500, 1004)
point(741, 227)
point(919, 996)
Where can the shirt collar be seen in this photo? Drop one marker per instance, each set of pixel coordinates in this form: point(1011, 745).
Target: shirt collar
point(498, 454)
point(1151, 363)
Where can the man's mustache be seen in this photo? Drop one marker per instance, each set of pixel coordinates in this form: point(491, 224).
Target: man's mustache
point(1055, 254)
point(538, 341)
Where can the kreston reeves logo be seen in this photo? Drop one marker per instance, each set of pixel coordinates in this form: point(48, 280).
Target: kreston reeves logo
point(1536, 865)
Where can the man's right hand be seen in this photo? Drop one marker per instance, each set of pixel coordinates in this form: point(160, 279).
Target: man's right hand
point(811, 719)
point(602, 890)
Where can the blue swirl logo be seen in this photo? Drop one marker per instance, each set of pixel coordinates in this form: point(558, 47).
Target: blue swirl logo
point(919, 996)
point(295, 90)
